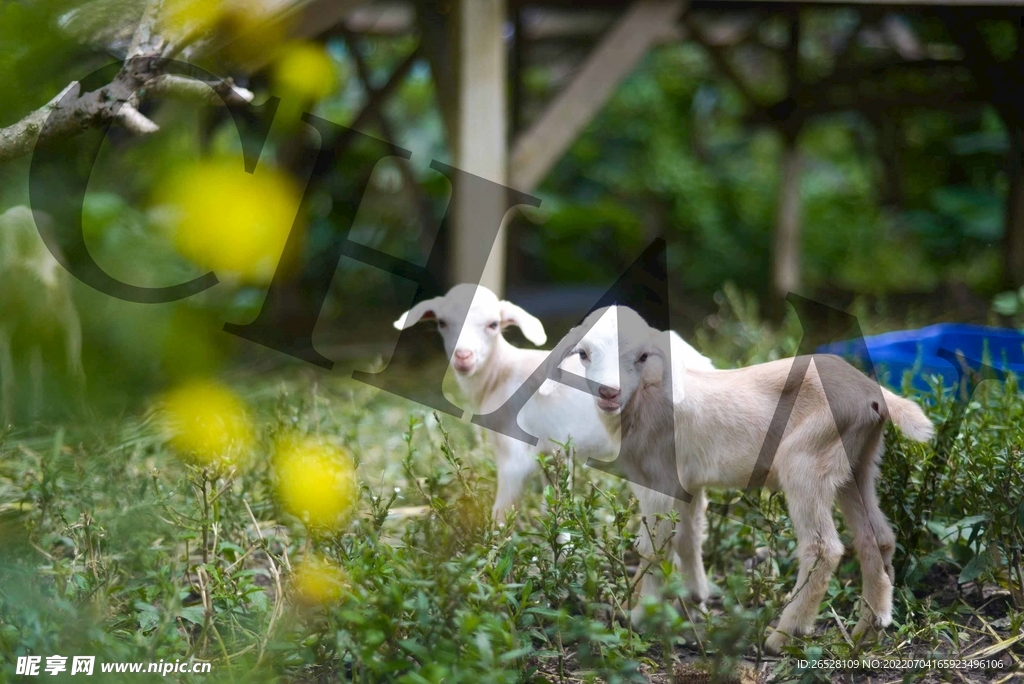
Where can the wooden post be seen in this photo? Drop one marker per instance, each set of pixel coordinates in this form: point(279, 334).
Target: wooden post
point(641, 26)
point(479, 140)
point(1013, 236)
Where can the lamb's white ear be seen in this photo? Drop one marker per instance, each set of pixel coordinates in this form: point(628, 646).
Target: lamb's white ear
point(424, 309)
point(677, 354)
point(532, 328)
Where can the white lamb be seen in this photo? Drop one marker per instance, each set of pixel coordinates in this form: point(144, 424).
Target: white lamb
point(489, 370)
point(716, 421)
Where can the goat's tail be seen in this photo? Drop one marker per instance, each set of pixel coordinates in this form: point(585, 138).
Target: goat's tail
point(908, 417)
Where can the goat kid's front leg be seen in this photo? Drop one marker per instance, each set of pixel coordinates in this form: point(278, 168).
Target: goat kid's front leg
point(515, 466)
point(654, 535)
point(688, 540)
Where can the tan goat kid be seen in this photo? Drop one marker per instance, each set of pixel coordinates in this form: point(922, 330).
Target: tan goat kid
point(718, 420)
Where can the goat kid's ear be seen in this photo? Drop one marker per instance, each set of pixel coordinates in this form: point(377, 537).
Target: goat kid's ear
point(424, 309)
point(674, 360)
point(532, 328)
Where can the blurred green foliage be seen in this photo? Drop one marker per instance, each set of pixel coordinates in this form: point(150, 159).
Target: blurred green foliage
point(671, 152)
point(102, 525)
point(103, 528)
point(669, 155)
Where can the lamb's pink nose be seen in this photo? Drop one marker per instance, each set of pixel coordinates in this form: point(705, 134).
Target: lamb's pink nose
point(463, 355)
point(608, 392)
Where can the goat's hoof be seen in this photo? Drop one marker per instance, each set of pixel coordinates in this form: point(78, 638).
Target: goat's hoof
point(775, 641)
point(698, 596)
point(867, 631)
point(695, 611)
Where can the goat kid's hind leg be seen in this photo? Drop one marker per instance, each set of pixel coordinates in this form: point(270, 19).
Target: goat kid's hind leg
point(688, 540)
point(819, 551)
point(873, 539)
point(867, 481)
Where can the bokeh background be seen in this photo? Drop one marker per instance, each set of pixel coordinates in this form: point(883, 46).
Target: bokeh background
point(160, 475)
point(904, 196)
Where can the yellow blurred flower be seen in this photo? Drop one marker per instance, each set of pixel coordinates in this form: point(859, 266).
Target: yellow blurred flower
point(304, 71)
point(197, 15)
point(317, 582)
point(229, 221)
point(315, 481)
point(207, 422)
point(246, 29)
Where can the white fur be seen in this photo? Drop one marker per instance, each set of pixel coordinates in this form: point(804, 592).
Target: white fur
point(491, 369)
point(718, 420)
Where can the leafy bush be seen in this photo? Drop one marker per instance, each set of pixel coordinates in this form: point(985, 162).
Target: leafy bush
point(116, 546)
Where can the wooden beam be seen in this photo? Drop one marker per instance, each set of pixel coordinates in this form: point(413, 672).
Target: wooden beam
point(877, 88)
point(719, 4)
point(377, 97)
point(900, 35)
point(382, 20)
point(537, 150)
point(721, 61)
point(419, 201)
point(480, 142)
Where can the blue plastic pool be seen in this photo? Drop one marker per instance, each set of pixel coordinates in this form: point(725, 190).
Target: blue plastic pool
point(917, 351)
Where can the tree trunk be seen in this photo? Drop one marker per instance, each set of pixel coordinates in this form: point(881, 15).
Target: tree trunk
point(786, 250)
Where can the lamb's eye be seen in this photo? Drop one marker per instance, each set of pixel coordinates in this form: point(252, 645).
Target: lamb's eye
point(583, 355)
point(493, 325)
point(642, 359)
point(442, 324)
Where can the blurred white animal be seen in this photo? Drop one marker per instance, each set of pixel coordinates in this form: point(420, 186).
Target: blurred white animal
point(489, 370)
point(35, 307)
point(717, 422)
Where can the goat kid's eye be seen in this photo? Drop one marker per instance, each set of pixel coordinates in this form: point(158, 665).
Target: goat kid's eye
point(642, 359)
point(583, 355)
point(442, 324)
point(493, 326)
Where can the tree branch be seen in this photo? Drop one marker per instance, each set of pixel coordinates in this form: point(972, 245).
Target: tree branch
point(134, 120)
point(140, 78)
point(71, 112)
point(145, 40)
point(18, 139)
point(184, 88)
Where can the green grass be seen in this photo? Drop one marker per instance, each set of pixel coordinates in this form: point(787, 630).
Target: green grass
point(102, 529)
